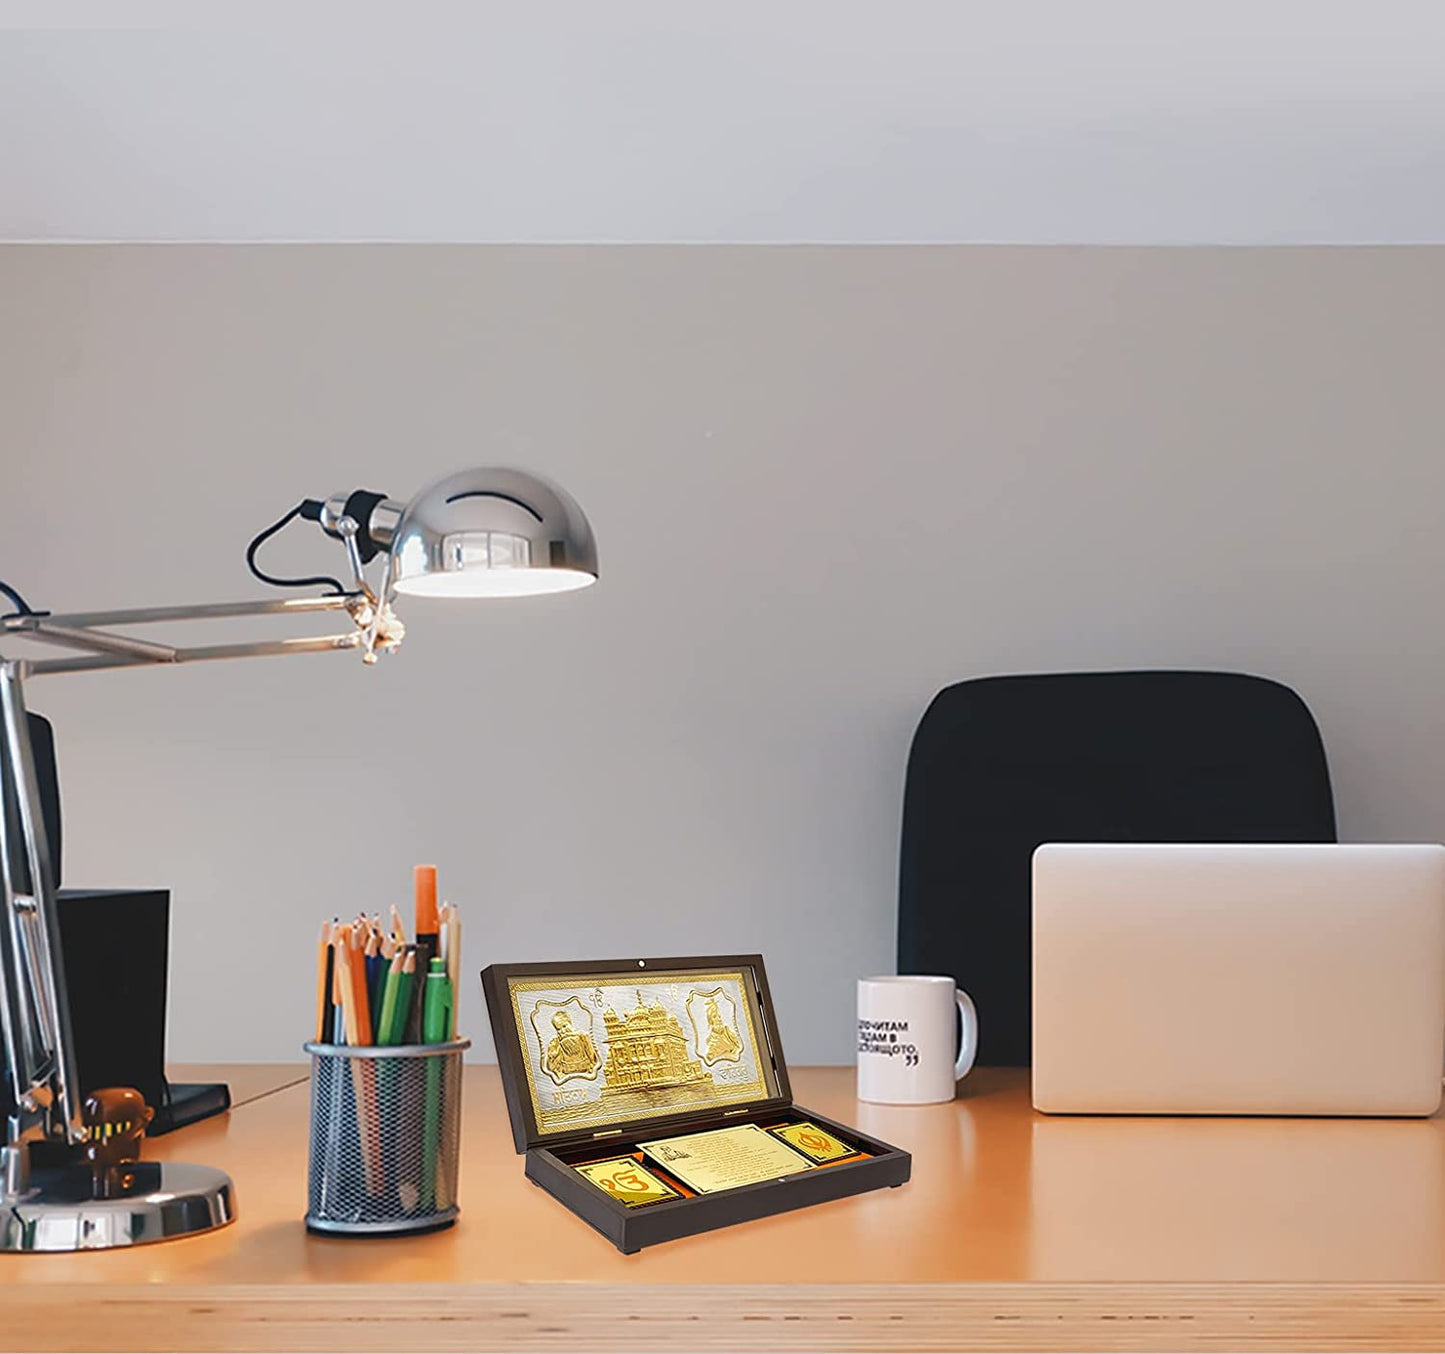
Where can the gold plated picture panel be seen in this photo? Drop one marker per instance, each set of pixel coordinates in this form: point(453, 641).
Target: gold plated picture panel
point(602, 1049)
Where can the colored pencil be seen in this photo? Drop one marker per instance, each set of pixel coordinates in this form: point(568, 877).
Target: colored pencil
point(338, 1017)
point(388, 1027)
point(323, 984)
point(343, 979)
point(363, 1001)
point(389, 1081)
point(363, 1080)
point(403, 992)
point(374, 971)
point(340, 953)
point(454, 963)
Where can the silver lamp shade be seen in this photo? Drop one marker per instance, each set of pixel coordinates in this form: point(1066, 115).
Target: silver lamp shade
point(492, 533)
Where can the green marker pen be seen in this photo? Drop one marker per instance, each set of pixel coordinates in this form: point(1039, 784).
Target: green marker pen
point(437, 1004)
point(436, 1024)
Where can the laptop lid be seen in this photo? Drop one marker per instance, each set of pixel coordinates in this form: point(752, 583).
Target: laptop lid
point(1238, 979)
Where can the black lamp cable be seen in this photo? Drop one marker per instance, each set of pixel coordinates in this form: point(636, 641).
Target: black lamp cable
point(22, 607)
point(309, 508)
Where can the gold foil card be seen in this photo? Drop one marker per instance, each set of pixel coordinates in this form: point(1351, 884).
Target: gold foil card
point(628, 1181)
point(813, 1142)
point(725, 1158)
point(612, 1048)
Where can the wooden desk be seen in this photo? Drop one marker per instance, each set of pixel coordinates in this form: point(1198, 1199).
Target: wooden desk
point(1017, 1232)
point(248, 1081)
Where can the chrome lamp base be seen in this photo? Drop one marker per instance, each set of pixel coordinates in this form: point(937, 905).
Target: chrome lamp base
point(62, 1209)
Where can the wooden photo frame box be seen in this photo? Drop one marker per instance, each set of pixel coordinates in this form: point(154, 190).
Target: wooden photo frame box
point(599, 1055)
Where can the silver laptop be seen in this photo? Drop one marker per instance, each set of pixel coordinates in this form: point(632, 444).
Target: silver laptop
point(1238, 979)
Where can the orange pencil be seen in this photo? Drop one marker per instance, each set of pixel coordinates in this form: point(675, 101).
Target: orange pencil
point(340, 953)
point(323, 984)
point(335, 970)
point(363, 1074)
point(358, 977)
point(357, 966)
point(344, 984)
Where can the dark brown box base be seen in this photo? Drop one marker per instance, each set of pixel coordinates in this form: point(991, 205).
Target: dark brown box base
point(630, 1229)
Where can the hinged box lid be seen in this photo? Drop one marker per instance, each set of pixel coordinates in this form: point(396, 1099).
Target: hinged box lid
point(599, 1048)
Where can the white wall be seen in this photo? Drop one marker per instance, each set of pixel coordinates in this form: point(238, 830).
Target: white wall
point(825, 483)
point(1027, 121)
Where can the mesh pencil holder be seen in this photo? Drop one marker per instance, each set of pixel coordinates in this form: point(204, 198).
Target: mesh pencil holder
point(385, 1136)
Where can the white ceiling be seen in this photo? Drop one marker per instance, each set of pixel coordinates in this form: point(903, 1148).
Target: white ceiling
point(1113, 121)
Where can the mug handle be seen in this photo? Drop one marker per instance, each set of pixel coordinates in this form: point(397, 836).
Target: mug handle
point(968, 1045)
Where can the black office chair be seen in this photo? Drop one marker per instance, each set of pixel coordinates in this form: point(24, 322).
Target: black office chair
point(1001, 764)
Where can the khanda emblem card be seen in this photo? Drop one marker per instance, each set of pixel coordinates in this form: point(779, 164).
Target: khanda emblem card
point(632, 1045)
point(813, 1142)
point(628, 1182)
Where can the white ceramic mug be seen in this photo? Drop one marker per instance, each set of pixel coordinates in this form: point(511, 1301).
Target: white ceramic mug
point(907, 1030)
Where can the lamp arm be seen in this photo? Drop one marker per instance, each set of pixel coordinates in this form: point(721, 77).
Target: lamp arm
point(375, 628)
point(38, 1043)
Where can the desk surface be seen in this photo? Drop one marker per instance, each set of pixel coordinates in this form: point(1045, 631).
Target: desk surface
point(1017, 1230)
point(248, 1081)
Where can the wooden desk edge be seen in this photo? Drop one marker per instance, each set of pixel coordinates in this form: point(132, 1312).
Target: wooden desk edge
point(577, 1317)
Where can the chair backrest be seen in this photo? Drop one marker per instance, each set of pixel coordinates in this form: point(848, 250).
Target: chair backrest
point(1000, 765)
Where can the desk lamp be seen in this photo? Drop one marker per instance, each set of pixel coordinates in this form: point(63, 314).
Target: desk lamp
point(480, 533)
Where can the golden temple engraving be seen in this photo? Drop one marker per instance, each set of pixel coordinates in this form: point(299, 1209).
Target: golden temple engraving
point(714, 1018)
point(569, 1052)
point(659, 1068)
point(647, 1051)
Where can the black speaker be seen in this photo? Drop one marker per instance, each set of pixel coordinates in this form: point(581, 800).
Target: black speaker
point(116, 944)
